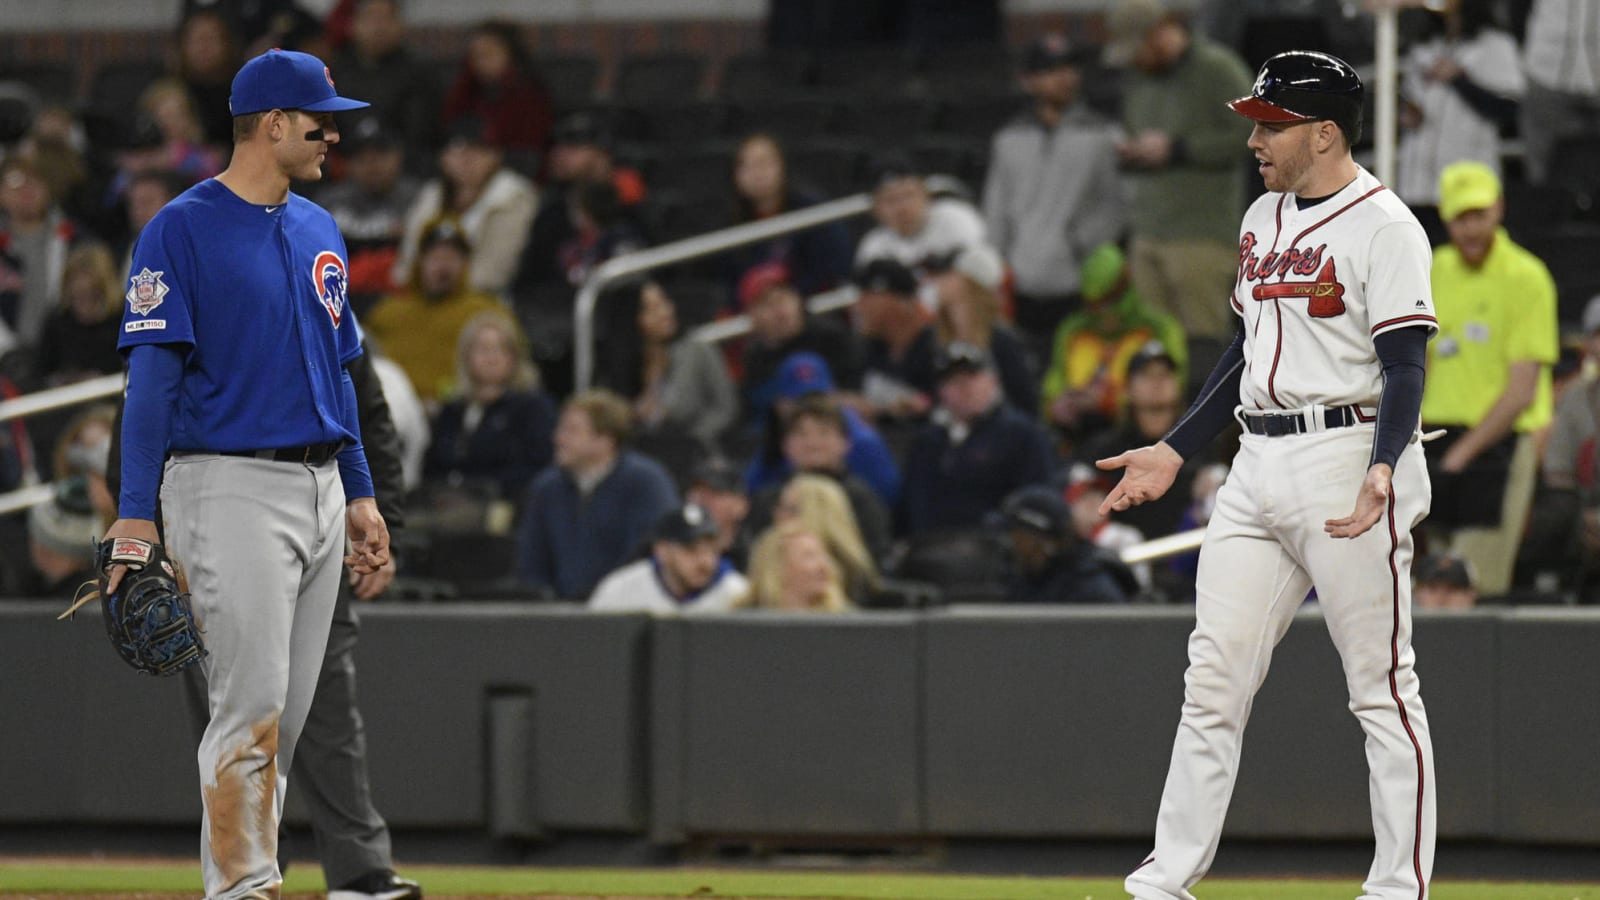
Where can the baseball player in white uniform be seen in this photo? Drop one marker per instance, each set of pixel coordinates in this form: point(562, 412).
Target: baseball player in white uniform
point(1326, 377)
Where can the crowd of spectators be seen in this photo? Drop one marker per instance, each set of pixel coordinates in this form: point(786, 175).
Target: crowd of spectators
point(1045, 294)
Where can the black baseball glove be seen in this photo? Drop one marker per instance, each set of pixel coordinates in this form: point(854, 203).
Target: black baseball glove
point(148, 619)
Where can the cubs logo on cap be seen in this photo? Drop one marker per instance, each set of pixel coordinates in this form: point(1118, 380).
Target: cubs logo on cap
point(286, 79)
point(332, 280)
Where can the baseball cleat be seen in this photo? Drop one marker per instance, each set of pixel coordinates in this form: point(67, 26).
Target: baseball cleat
point(379, 885)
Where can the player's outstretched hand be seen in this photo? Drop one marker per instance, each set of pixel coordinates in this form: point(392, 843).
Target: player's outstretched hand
point(1150, 472)
point(1370, 504)
point(369, 536)
point(143, 529)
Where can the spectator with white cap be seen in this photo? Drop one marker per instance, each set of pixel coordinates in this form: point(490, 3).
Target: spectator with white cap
point(920, 230)
point(684, 573)
point(969, 311)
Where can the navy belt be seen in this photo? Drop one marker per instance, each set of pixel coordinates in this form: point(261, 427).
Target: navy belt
point(311, 454)
point(1279, 424)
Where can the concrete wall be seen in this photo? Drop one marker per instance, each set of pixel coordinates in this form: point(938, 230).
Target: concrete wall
point(976, 722)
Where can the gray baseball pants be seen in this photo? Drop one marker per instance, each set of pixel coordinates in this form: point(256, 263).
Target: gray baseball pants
point(263, 543)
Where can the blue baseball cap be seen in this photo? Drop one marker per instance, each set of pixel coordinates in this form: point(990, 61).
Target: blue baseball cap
point(286, 79)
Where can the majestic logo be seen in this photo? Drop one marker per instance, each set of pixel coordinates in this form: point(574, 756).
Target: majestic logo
point(146, 291)
point(1325, 292)
point(333, 283)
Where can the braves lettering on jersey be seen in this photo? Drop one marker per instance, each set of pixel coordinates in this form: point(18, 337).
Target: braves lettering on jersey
point(1316, 285)
point(193, 262)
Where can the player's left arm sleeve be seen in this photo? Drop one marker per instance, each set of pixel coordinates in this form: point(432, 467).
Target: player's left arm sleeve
point(1398, 276)
point(1213, 409)
point(155, 372)
point(1403, 353)
point(353, 469)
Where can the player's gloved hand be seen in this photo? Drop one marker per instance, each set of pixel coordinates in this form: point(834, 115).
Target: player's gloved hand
point(1150, 472)
point(143, 529)
point(1371, 501)
point(369, 536)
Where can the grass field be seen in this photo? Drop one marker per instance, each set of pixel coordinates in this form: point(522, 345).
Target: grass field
point(64, 878)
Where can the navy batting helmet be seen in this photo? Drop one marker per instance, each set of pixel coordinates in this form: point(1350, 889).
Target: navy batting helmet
point(1303, 86)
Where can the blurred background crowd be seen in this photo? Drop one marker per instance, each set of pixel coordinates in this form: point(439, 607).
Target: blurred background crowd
point(1042, 281)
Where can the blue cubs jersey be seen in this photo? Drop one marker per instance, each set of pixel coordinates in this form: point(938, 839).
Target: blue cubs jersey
point(255, 298)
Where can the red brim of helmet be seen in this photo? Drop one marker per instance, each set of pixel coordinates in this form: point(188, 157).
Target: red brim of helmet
point(1253, 107)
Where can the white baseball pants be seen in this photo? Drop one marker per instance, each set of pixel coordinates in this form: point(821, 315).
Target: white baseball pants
point(1264, 549)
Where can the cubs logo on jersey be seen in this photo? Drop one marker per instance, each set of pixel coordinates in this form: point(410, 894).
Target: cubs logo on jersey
point(328, 273)
point(146, 291)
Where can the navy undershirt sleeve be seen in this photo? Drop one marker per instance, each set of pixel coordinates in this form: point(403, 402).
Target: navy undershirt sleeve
point(1403, 353)
point(1213, 409)
point(154, 372)
point(353, 471)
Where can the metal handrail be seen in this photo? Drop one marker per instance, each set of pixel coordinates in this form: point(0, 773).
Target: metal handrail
point(630, 264)
point(61, 397)
point(739, 326)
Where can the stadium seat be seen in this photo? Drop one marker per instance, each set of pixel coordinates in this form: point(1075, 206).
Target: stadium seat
point(978, 118)
point(624, 123)
point(959, 157)
point(683, 122)
point(1575, 165)
point(669, 77)
point(700, 171)
point(982, 69)
point(698, 300)
point(1569, 252)
point(53, 83)
point(858, 71)
point(896, 593)
point(886, 118)
point(673, 214)
point(769, 73)
point(789, 119)
point(569, 79)
point(965, 564)
point(1573, 296)
point(1531, 208)
point(831, 166)
point(116, 87)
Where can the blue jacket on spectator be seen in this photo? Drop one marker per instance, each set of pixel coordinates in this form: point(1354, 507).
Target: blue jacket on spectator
point(951, 486)
point(509, 446)
point(869, 458)
point(568, 542)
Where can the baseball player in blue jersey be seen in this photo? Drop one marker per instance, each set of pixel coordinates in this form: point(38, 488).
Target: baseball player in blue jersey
point(239, 406)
